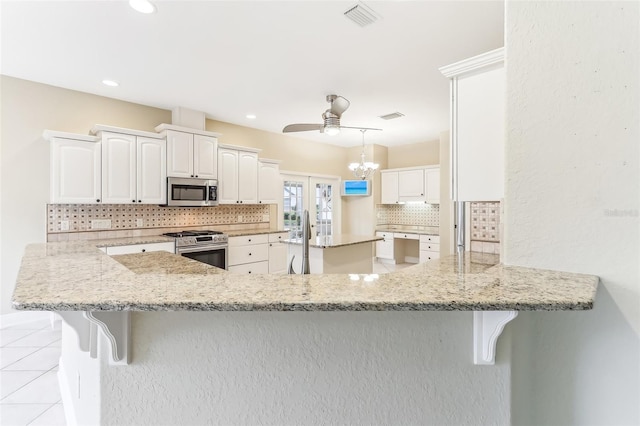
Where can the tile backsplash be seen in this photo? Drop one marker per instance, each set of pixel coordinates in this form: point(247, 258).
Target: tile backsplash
point(485, 227)
point(79, 217)
point(408, 214)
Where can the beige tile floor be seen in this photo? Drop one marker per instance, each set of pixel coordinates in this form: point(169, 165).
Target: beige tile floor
point(385, 268)
point(29, 391)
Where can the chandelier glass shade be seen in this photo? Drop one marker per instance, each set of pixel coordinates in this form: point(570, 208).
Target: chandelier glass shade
point(363, 169)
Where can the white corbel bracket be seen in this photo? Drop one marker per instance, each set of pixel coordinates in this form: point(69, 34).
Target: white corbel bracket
point(487, 327)
point(115, 326)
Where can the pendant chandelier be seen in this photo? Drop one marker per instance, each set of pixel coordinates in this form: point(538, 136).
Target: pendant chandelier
point(363, 169)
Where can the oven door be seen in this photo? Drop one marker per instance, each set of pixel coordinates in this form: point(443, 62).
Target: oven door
point(214, 255)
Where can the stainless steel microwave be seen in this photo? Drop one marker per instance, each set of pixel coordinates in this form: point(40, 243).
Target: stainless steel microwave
point(192, 192)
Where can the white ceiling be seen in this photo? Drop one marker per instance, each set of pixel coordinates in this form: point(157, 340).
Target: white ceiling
point(277, 60)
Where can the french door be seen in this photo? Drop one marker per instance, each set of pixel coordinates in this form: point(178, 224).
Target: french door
point(319, 195)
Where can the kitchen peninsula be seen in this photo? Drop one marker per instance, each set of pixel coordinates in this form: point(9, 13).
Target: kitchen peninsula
point(336, 254)
point(187, 361)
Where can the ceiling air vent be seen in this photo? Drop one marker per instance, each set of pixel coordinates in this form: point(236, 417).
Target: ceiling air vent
point(362, 15)
point(392, 116)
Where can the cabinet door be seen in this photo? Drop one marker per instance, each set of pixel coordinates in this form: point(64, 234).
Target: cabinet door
point(179, 154)
point(75, 172)
point(277, 258)
point(384, 248)
point(269, 183)
point(248, 177)
point(411, 185)
point(141, 248)
point(118, 168)
point(389, 193)
point(432, 185)
point(227, 176)
point(205, 157)
point(151, 171)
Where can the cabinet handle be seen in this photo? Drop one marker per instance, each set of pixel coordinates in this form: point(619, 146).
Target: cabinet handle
point(249, 239)
point(260, 202)
point(249, 254)
point(133, 201)
point(192, 176)
point(249, 271)
point(270, 245)
point(98, 200)
point(143, 250)
point(196, 175)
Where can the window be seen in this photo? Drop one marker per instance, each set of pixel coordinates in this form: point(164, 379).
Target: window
point(323, 203)
point(292, 207)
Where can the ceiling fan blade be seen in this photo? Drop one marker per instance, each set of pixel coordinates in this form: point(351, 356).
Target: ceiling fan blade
point(358, 128)
point(302, 127)
point(339, 105)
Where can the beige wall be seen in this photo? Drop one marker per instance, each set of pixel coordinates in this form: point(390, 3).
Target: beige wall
point(28, 108)
point(415, 154)
point(296, 154)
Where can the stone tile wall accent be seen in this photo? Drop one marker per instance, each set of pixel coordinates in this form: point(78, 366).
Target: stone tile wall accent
point(408, 214)
point(485, 227)
point(123, 216)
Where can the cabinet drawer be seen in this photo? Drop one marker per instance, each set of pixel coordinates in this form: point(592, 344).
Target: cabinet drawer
point(141, 248)
point(250, 268)
point(248, 254)
point(429, 247)
point(428, 255)
point(248, 239)
point(430, 239)
point(280, 236)
point(385, 235)
point(406, 236)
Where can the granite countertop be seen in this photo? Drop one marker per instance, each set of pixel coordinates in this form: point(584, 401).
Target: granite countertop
point(409, 229)
point(242, 232)
point(77, 276)
point(331, 241)
point(126, 241)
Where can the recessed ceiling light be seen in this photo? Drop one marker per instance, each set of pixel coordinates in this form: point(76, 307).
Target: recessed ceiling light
point(251, 116)
point(110, 83)
point(142, 6)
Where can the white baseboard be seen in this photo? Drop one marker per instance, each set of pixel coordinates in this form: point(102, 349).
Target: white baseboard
point(66, 395)
point(387, 261)
point(18, 318)
point(411, 259)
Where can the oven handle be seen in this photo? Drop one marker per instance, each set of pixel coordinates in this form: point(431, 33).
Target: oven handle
point(180, 250)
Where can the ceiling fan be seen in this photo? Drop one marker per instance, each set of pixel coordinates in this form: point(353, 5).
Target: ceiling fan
point(331, 117)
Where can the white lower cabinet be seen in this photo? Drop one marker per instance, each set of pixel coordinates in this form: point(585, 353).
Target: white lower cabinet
point(249, 254)
point(429, 247)
point(258, 254)
point(384, 248)
point(140, 248)
point(278, 253)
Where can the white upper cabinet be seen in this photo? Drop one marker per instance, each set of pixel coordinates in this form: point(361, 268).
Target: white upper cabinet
point(133, 166)
point(151, 163)
point(269, 181)
point(118, 168)
point(478, 130)
point(411, 185)
point(190, 152)
point(237, 175)
point(419, 184)
point(179, 154)
point(205, 157)
point(432, 185)
point(389, 186)
point(74, 169)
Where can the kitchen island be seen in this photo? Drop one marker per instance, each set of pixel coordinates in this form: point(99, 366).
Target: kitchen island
point(156, 338)
point(336, 254)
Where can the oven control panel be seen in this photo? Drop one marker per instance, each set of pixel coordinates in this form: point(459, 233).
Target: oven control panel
point(202, 240)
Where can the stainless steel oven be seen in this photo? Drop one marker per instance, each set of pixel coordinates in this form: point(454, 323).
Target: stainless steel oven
point(210, 247)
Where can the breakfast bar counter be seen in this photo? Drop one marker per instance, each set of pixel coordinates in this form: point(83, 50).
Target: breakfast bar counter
point(77, 276)
point(157, 338)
